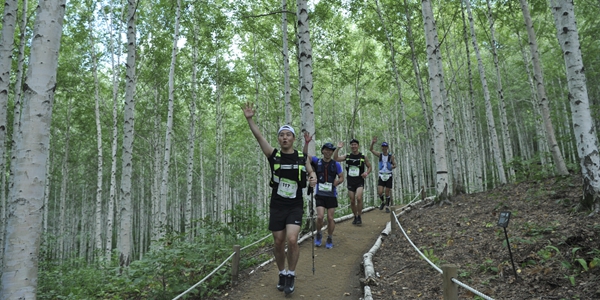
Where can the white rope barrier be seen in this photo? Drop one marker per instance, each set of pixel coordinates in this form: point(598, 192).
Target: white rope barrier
point(267, 236)
point(435, 267)
point(207, 276)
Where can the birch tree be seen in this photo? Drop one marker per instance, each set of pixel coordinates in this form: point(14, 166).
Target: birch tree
point(32, 139)
point(507, 141)
point(585, 133)
point(286, 64)
point(435, 79)
point(306, 76)
point(125, 224)
point(560, 166)
point(99, 172)
point(9, 21)
point(162, 213)
point(488, 104)
point(191, 143)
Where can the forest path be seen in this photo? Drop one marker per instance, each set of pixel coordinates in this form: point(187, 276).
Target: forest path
point(337, 270)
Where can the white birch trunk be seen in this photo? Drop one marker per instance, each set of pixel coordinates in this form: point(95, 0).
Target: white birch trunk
point(162, 213)
point(110, 210)
point(191, 149)
point(488, 104)
point(219, 204)
point(286, 64)
point(125, 224)
point(306, 76)
point(62, 235)
point(9, 22)
point(100, 156)
point(583, 126)
point(560, 166)
point(507, 142)
point(435, 79)
point(157, 170)
point(26, 196)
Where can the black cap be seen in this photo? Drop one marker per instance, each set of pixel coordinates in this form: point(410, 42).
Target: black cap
point(328, 146)
point(354, 141)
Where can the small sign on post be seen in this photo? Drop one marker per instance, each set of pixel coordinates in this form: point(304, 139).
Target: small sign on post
point(503, 222)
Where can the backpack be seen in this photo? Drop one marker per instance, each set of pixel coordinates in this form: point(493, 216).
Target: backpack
point(389, 161)
point(299, 165)
point(331, 171)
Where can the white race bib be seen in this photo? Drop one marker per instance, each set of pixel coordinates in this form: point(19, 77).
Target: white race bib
point(287, 188)
point(385, 177)
point(354, 171)
point(326, 187)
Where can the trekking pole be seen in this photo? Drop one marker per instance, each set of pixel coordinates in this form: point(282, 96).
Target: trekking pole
point(312, 220)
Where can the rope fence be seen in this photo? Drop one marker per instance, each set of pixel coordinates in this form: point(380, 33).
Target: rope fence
point(448, 268)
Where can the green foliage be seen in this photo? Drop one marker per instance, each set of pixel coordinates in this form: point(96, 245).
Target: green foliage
point(489, 266)
point(432, 257)
point(536, 230)
point(163, 273)
point(548, 252)
point(532, 168)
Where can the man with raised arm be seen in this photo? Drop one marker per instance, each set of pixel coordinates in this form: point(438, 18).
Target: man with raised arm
point(289, 169)
point(386, 164)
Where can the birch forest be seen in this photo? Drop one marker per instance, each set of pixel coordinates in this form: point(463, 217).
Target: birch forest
point(129, 171)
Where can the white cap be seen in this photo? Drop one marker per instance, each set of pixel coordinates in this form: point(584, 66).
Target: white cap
point(286, 127)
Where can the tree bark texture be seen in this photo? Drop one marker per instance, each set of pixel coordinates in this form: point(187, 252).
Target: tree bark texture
point(26, 196)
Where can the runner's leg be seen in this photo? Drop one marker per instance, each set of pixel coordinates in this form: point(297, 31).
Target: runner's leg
point(330, 221)
point(320, 217)
point(359, 200)
point(279, 241)
point(293, 252)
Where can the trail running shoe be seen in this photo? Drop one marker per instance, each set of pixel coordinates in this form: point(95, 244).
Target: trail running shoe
point(281, 283)
point(358, 220)
point(289, 284)
point(387, 209)
point(329, 243)
point(382, 205)
point(355, 220)
point(319, 239)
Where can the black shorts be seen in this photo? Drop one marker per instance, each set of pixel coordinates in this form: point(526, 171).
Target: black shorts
point(354, 183)
point(280, 217)
point(388, 183)
point(327, 202)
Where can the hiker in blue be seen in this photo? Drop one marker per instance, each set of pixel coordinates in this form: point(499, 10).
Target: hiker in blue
point(289, 170)
point(329, 175)
point(387, 163)
point(355, 166)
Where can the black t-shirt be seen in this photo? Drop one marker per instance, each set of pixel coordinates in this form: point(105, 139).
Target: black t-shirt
point(288, 178)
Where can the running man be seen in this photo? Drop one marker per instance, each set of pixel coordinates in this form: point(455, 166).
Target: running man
point(355, 166)
point(386, 164)
point(329, 175)
point(289, 169)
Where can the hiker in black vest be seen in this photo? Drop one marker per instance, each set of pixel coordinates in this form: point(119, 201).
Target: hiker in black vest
point(355, 166)
point(289, 170)
point(386, 164)
point(329, 175)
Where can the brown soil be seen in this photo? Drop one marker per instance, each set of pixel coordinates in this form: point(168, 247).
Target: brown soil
point(550, 242)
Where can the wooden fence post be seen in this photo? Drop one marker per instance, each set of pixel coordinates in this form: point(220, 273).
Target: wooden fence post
point(235, 265)
point(450, 288)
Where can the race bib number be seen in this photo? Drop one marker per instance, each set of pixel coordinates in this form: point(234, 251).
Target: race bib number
point(326, 187)
point(287, 188)
point(385, 177)
point(354, 171)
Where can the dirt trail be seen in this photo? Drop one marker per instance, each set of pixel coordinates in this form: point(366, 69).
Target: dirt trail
point(337, 270)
